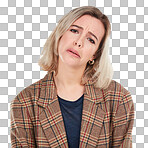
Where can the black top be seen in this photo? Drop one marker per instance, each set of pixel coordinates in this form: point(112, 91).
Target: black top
point(72, 115)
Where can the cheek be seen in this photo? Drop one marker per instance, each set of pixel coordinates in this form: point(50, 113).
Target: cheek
point(69, 37)
point(60, 45)
point(65, 37)
point(90, 52)
point(62, 41)
point(91, 49)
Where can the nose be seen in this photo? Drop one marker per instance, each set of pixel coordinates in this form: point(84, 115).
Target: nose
point(78, 42)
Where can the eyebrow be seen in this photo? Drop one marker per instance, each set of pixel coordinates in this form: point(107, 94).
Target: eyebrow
point(82, 29)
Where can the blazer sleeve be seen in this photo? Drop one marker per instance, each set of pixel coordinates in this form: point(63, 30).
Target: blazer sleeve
point(123, 123)
point(22, 134)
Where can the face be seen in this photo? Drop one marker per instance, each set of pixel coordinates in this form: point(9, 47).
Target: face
point(80, 42)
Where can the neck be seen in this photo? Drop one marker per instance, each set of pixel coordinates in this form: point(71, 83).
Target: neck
point(68, 77)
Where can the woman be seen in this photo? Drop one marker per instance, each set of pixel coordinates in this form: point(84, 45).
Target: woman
point(77, 104)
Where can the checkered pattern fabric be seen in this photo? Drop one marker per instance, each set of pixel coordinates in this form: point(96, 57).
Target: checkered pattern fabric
point(107, 117)
point(24, 28)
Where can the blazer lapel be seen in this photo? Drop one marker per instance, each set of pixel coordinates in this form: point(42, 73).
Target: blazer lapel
point(92, 117)
point(50, 115)
point(51, 119)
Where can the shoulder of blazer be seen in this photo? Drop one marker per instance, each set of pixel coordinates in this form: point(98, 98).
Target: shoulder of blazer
point(114, 96)
point(116, 88)
point(30, 93)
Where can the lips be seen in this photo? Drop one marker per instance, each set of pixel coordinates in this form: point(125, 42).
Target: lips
point(73, 51)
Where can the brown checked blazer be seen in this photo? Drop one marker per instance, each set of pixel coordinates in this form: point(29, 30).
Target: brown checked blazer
point(107, 117)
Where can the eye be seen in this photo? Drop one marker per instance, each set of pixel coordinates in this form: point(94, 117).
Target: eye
point(91, 40)
point(74, 30)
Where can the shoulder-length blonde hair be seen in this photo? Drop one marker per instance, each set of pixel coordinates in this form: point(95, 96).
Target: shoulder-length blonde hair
point(100, 73)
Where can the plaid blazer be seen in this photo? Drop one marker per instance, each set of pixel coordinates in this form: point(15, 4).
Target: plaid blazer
point(107, 117)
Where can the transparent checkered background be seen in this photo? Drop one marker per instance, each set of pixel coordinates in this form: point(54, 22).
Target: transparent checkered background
point(24, 28)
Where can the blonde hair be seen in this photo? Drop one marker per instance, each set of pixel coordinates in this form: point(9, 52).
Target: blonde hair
point(101, 72)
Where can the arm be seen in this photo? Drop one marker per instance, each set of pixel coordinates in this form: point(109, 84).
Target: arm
point(123, 123)
point(22, 134)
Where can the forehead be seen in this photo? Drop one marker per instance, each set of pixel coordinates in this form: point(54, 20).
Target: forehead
point(91, 24)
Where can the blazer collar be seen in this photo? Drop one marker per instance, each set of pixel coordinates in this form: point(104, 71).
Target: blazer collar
point(50, 116)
